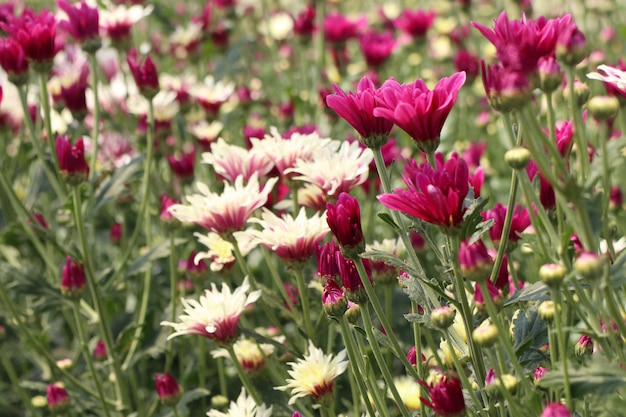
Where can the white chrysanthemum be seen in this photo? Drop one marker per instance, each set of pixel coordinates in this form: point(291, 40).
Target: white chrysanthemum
point(217, 313)
point(205, 132)
point(231, 161)
point(292, 239)
point(185, 37)
point(611, 75)
point(314, 375)
point(220, 251)
point(227, 212)
point(244, 407)
point(176, 83)
point(279, 26)
point(393, 246)
point(409, 390)
point(250, 354)
point(113, 16)
point(211, 93)
point(335, 171)
point(285, 152)
point(165, 105)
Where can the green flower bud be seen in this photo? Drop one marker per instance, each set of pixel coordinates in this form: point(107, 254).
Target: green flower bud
point(517, 158)
point(442, 317)
point(552, 274)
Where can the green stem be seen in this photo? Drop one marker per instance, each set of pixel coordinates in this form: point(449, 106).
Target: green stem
point(53, 178)
point(579, 130)
point(45, 101)
point(304, 299)
point(562, 342)
point(221, 374)
point(89, 358)
point(243, 376)
point(278, 283)
point(382, 365)
point(96, 114)
point(92, 284)
point(147, 226)
point(606, 185)
point(373, 300)
point(169, 355)
point(10, 370)
point(359, 371)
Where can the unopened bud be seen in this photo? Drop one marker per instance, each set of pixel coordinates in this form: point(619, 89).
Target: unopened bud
point(603, 107)
point(219, 402)
point(353, 313)
point(552, 274)
point(485, 336)
point(589, 265)
point(442, 317)
point(584, 346)
point(517, 158)
point(547, 310)
point(581, 93)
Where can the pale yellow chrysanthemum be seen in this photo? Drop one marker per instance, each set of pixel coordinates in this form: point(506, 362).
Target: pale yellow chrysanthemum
point(226, 212)
point(409, 391)
point(251, 355)
point(217, 313)
point(292, 239)
point(335, 171)
point(206, 133)
point(278, 27)
point(393, 246)
point(315, 374)
point(243, 407)
point(220, 253)
point(165, 105)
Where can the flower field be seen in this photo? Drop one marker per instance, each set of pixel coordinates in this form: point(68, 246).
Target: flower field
point(253, 208)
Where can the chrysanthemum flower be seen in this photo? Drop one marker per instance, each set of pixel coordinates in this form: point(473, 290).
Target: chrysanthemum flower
point(231, 161)
point(434, 196)
point(245, 406)
point(344, 220)
point(285, 152)
point(211, 94)
point(335, 171)
point(117, 21)
point(293, 239)
point(220, 251)
point(417, 110)
point(446, 396)
point(206, 133)
point(227, 212)
point(409, 390)
point(217, 313)
point(614, 78)
point(251, 355)
point(314, 375)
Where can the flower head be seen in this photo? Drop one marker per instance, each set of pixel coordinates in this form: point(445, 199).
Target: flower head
point(614, 78)
point(100, 351)
point(344, 220)
point(338, 28)
point(249, 353)
point(446, 396)
point(58, 399)
point(13, 61)
point(37, 35)
point(334, 301)
point(217, 313)
point(144, 73)
point(117, 21)
point(351, 280)
point(415, 22)
point(434, 195)
point(82, 24)
point(520, 222)
point(326, 257)
point(72, 161)
point(419, 111)
point(556, 410)
point(72, 279)
point(314, 374)
point(293, 239)
point(227, 212)
point(376, 47)
point(231, 161)
point(358, 109)
point(167, 389)
point(244, 406)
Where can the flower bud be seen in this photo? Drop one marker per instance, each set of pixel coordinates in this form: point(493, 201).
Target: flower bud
point(486, 335)
point(58, 399)
point(556, 410)
point(65, 363)
point(589, 265)
point(517, 158)
point(494, 293)
point(72, 163)
point(353, 313)
point(167, 389)
point(540, 371)
point(442, 317)
point(100, 351)
point(547, 310)
point(334, 301)
point(550, 74)
point(603, 107)
point(509, 382)
point(581, 93)
point(571, 46)
point(584, 346)
point(73, 279)
point(39, 401)
point(475, 261)
point(344, 220)
point(219, 402)
point(552, 274)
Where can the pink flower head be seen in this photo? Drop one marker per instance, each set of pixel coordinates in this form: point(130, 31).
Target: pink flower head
point(505, 88)
point(144, 73)
point(183, 164)
point(546, 191)
point(167, 389)
point(72, 161)
point(304, 23)
point(376, 47)
point(494, 294)
point(415, 22)
point(58, 399)
point(358, 110)
point(464, 61)
point(411, 356)
point(540, 371)
point(74, 97)
point(326, 258)
point(446, 396)
point(556, 410)
point(417, 110)
point(13, 60)
point(37, 35)
point(433, 195)
point(338, 28)
point(521, 221)
point(351, 280)
point(83, 23)
point(334, 301)
point(474, 260)
point(100, 351)
point(72, 279)
point(344, 220)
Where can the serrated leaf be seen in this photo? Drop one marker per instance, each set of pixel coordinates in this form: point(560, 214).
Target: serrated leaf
point(382, 338)
point(473, 217)
point(600, 378)
point(422, 319)
point(385, 217)
point(116, 184)
point(534, 292)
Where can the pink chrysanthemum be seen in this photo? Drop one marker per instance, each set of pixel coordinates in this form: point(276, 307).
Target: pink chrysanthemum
point(231, 161)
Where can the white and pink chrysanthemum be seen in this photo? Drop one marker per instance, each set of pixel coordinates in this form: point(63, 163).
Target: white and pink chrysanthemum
point(216, 315)
point(335, 171)
point(293, 239)
point(315, 374)
point(284, 152)
point(231, 161)
point(610, 75)
point(116, 21)
point(243, 407)
point(227, 212)
point(211, 94)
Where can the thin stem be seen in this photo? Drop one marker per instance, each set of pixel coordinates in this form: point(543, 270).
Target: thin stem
point(278, 283)
point(10, 370)
point(606, 185)
point(243, 376)
point(89, 358)
point(96, 114)
point(221, 374)
point(304, 300)
point(562, 342)
point(147, 226)
point(579, 130)
point(45, 101)
point(367, 323)
point(169, 355)
point(92, 284)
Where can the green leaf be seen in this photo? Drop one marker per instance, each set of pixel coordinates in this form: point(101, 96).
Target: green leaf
point(530, 333)
point(385, 217)
point(116, 185)
point(188, 397)
point(472, 218)
point(534, 292)
point(599, 378)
